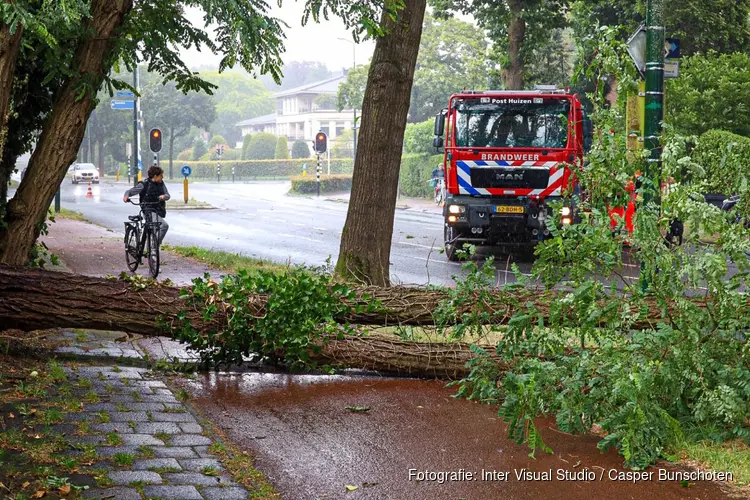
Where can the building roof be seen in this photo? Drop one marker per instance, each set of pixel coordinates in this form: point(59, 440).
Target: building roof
point(258, 120)
point(328, 86)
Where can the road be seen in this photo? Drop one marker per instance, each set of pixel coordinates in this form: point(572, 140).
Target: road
point(260, 220)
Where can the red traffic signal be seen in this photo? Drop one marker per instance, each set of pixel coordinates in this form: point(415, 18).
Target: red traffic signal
point(155, 140)
point(321, 142)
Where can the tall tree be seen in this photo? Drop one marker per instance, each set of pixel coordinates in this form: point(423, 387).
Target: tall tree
point(114, 31)
point(515, 28)
point(366, 238)
point(174, 112)
point(107, 128)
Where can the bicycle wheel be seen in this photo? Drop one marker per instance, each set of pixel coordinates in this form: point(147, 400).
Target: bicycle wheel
point(153, 252)
point(131, 248)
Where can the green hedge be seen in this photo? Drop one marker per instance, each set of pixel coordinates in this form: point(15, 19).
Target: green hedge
point(724, 157)
point(415, 172)
point(253, 169)
point(307, 184)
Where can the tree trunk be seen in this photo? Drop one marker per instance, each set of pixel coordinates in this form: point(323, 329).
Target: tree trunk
point(62, 133)
point(9, 45)
point(365, 250)
point(513, 74)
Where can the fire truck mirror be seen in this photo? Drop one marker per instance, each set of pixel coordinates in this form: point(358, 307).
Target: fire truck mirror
point(439, 124)
point(437, 142)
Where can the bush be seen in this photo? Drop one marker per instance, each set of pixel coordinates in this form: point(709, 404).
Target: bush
point(253, 169)
point(229, 154)
point(262, 147)
point(723, 156)
point(415, 172)
point(216, 141)
point(185, 155)
point(282, 149)
point(199, 149)
point(246, 145)
point(418, 138)
point(300, 149)
point(343, 145)
point(334, 183)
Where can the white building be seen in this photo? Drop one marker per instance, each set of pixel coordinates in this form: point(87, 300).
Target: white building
point(300, 113)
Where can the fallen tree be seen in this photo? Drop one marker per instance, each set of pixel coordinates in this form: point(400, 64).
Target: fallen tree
point(37, 299)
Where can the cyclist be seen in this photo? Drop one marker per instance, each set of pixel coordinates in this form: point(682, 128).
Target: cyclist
point(152, 190)
point(437, 181)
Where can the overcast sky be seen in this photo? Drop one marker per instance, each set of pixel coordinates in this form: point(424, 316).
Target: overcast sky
point(302, 43)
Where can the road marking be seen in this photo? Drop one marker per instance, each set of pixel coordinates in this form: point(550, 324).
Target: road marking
point(418, 245)
point(300, 237)
point(320, 229)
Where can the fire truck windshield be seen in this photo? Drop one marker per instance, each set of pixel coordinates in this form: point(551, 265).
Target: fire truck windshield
point(512, 122)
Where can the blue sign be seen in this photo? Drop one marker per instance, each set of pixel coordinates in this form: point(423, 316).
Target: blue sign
point(122, 104)
point(186, 171)
point(124, 94)
point(140, 165)
point(671, 48)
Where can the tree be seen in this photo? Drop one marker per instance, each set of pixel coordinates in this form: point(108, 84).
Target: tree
point(107, 128)
point(712, 92)
point(216, 140)
point(451, 58)
point(114, 31)
point(300, 149)
point(175, 113)
point(343, 145)
point(246, 145)
point(298, 73)
point(262, 147)
point(199, 149)
point(515, 27)
point(366, 238)
point(418, 138)
point(325, 101)
point(282, 149)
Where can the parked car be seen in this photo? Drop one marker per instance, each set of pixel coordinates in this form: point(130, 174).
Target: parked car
point(85, 172)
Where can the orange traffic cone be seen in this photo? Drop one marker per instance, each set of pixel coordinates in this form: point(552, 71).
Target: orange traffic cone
point(89, 194)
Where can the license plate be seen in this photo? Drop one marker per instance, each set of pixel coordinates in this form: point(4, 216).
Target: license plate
point(509, 209)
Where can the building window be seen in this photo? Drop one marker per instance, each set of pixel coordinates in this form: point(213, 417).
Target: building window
point(325, 129)
point(339, 129)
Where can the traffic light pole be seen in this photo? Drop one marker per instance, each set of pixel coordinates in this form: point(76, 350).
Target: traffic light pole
point(317, 175)
point(654, 108)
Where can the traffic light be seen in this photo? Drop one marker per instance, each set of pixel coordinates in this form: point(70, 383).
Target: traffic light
point(321, 142)
point(155, 140)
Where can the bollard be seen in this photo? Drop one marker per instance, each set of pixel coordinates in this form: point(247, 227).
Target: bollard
point(185, 189)
point(218, 172)
point(232, 173)
point(317, 175)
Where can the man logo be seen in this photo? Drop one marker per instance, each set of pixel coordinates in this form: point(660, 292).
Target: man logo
point(510, 176)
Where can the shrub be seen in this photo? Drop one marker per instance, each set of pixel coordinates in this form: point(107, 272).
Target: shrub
point(216, 141)
point(334, 183)
point(282, 149)
point(262, 147)
point(246, 145)
point(723, 156)
point(418, 138)
point(415, 172)
point(253, 169)
point(185, 155)
point(300, 149)
point(199, 149)
point(343, 145)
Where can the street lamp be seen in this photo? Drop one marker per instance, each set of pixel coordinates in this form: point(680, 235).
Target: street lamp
point(354, 123)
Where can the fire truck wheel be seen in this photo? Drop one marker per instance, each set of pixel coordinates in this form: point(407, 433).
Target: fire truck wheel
point(450, 248)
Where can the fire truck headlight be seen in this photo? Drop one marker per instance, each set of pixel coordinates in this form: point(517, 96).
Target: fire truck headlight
point(456, 209)
point(566, 221)
point(565, 211)
point(451, 218)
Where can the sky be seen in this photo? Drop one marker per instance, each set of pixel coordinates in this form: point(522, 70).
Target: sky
point(302, 43)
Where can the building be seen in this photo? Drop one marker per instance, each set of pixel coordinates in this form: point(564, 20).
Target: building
point(303, 111)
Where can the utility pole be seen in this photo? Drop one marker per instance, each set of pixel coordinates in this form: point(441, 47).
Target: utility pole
point(654, 107)
point(136, 127)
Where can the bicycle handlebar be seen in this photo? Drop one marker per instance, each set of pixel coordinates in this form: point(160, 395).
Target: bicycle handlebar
point(143, 203)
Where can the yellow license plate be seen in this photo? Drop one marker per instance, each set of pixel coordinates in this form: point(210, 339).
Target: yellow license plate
point(509, 209)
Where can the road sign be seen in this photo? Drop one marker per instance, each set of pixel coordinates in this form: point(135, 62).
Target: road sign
point(186, 171)
point(671, 69)
point(124, 94)
point(672, 48)
point(637, 49)
point(122, 104)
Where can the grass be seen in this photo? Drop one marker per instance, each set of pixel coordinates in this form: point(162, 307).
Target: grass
point(103, 417)
point(64, 213)
point(733, 456)
point(164, 470)
point(114, 439)
point(123, 459)
point(163, 436)
point(145, 451)
point(179, 201)
point(210, 470)
point(225, 261)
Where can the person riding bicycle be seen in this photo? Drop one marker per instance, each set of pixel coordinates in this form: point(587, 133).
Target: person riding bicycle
point(152, 190)
point(437, 181)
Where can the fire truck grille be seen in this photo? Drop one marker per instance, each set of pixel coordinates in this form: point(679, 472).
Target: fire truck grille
point(528, 178)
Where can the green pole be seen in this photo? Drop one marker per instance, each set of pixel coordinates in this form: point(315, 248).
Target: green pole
point(654, 108)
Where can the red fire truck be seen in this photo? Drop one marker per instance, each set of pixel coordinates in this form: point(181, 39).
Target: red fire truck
point(507, 156)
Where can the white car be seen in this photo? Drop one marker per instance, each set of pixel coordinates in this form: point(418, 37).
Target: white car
point(85, 172)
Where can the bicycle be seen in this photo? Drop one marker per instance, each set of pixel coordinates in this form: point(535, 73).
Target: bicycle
point(439, 190)
point(139, 236)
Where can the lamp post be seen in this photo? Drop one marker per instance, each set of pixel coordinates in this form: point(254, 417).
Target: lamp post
point(354, 123)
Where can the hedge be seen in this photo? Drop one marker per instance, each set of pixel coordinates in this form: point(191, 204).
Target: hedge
point(253, 169)
point(724, 158)
point(415, 172)
point(307, 184)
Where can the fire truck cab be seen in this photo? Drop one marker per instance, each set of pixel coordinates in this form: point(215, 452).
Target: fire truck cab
point(507, 156)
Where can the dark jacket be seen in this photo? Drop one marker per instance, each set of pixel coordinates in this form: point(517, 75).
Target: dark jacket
point(149, 192)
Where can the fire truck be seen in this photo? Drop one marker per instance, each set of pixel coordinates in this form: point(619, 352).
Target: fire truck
point(507, 158)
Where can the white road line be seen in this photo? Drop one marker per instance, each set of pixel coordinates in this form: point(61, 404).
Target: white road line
point(418, 245)
point(300, 237)
point(320, 229)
